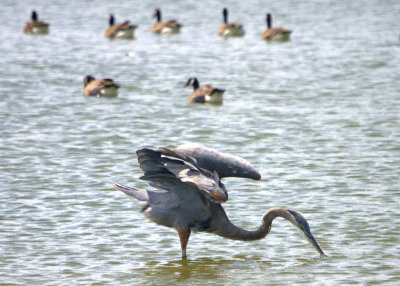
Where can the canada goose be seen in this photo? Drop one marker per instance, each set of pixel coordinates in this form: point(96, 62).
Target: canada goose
point(230, 29)
point(124, 30)
point(165, 27)
point(99, 87)
point(35, 26)
point(276, 34)
point(204, 94)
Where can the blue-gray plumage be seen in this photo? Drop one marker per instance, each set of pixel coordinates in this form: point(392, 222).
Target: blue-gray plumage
point(190, 193)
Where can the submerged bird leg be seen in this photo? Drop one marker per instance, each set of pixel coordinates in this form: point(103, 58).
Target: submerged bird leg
point(184, 238)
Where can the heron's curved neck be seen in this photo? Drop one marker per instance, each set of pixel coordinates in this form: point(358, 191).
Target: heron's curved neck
point(231, 231)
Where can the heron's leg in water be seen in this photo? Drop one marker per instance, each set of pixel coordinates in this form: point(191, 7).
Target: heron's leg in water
point(184, 238)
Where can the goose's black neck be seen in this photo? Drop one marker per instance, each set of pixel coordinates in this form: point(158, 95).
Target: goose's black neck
point(269, 21)
point(225, 14)
point(158, 15)
point(34, 16)
point(195, 84)
point(111, 20)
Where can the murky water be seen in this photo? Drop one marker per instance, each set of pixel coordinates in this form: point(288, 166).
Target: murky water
point(318, 116)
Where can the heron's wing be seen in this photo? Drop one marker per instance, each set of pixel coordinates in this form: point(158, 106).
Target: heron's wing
point(226, 165)
point(139, 197)
point(147, 198)
point(165, 165)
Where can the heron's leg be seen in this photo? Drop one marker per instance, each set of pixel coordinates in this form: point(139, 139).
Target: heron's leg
point(184, 234)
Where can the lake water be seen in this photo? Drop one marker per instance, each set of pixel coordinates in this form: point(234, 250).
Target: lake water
point(318, 116)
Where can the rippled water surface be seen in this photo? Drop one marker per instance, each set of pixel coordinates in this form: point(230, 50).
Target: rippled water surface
point(318, 116)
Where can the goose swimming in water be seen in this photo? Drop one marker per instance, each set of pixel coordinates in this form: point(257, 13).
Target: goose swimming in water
point(165, 27)
point(230, 29)
point(35, 26)
point(204, 94)
point(99, 87)
point(123, 31)
point(275, 34)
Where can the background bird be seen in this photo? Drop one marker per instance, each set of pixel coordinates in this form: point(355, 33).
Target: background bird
point(165, 27)
point(124, 30)
point(230, 29)
point(192, 193)
point(204, 94)
point(99, 87)
point(276, 34)
point(35, 26)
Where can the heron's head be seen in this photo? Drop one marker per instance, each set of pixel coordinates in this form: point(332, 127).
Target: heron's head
point(302, 226)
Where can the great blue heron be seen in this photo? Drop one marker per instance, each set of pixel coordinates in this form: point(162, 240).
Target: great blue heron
point(192, 193)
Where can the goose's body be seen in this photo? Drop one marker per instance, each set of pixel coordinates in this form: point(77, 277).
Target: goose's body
point(190, 193)
point(204, 94)
point(275, 34)
point(100, 87)
point(35, 26)
point(230, 29)
point(123, 31)
point(165, 27)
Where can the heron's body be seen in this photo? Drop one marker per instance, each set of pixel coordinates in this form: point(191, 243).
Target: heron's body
point(230, 29)
point(190, 193)
point(165, 27)
point(100, 87)
point(35, 26)
point(205, 93)
point(123, 31)
point(275, 34)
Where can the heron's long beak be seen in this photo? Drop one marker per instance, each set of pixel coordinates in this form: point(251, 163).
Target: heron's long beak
point(310, 238)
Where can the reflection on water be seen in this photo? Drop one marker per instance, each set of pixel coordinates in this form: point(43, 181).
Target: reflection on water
point(217, 270)
point(184, 269)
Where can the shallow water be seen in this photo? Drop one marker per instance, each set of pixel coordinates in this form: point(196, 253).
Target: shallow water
point(318, 116)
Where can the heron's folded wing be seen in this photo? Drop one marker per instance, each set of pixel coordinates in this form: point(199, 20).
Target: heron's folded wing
point(226, 165)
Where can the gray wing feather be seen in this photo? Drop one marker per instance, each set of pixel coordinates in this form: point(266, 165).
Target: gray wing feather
point(139, 197)
point(165, 164)
point(195, 177)
point(226, 165)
